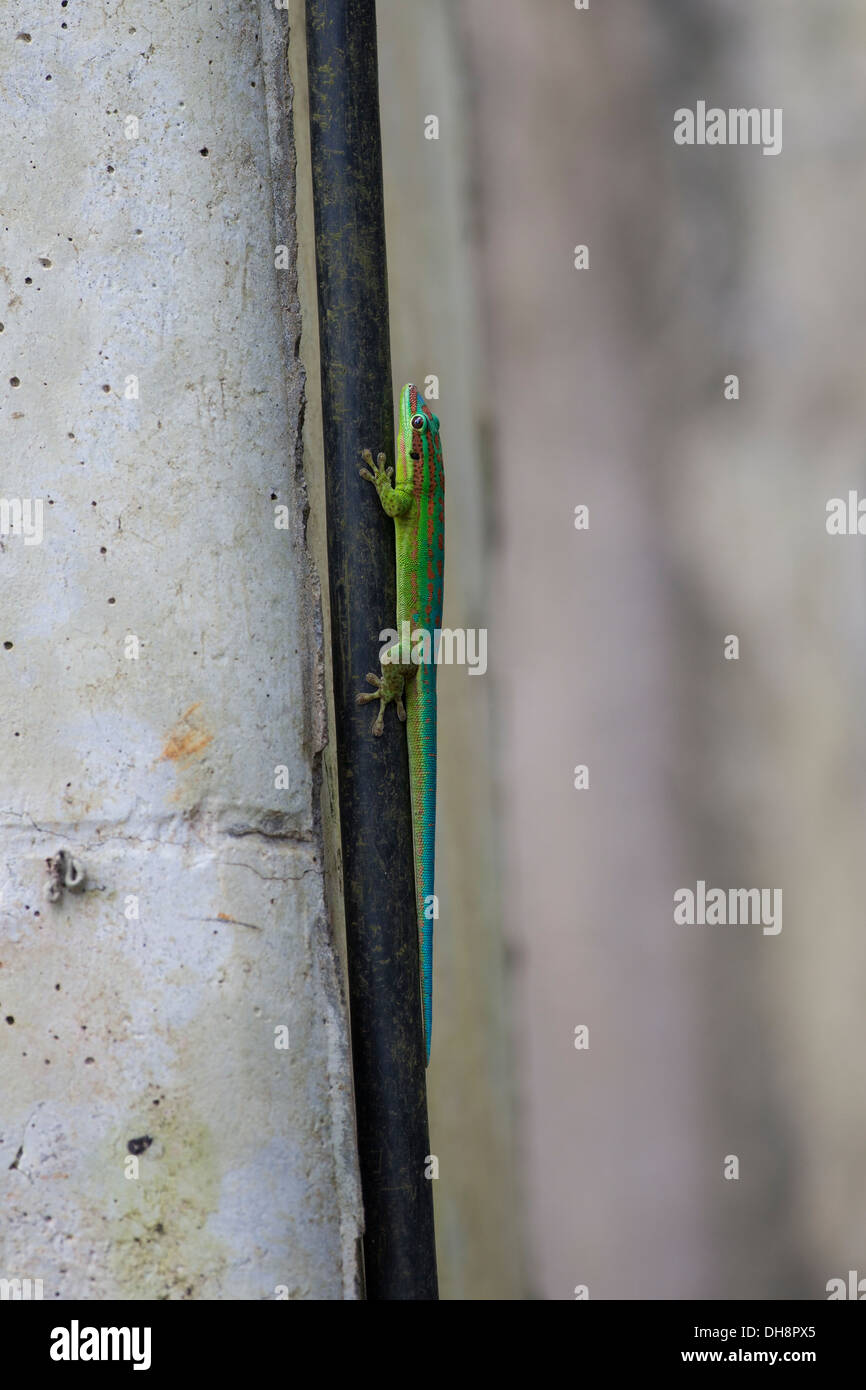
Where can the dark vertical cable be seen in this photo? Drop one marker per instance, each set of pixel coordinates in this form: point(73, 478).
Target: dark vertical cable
point(357, 406)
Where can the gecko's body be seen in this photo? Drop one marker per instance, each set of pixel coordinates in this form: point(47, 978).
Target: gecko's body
point(416, 501)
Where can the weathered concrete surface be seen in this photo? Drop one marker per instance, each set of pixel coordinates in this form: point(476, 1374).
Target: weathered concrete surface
point(148, 253)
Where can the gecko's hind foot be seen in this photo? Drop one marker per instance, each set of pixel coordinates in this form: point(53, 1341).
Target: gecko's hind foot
point(387, 687)
point(365, 697)
point(378, 723)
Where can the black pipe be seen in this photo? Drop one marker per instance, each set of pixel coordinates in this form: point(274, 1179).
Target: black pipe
point(375, 812)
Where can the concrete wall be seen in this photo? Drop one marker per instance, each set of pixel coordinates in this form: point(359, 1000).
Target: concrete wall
point(162, 656)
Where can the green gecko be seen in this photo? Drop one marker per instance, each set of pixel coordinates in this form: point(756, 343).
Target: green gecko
point(416, 501)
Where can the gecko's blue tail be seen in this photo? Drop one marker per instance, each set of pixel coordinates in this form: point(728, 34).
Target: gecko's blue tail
point(421, 739)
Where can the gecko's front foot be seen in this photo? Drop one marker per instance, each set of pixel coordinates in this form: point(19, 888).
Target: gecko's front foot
point(374, 472)
point(389, 686)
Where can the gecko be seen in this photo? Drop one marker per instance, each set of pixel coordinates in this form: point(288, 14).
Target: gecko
point(415, 498)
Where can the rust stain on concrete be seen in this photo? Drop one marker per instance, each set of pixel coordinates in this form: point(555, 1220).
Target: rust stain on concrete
point(187, 738)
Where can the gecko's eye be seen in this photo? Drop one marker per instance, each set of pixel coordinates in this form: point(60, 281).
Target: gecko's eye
point(418, 422)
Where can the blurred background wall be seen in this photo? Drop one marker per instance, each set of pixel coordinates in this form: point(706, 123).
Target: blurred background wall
point(605, 387)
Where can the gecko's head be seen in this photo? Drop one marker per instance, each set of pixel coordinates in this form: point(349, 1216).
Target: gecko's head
point(418, 433)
